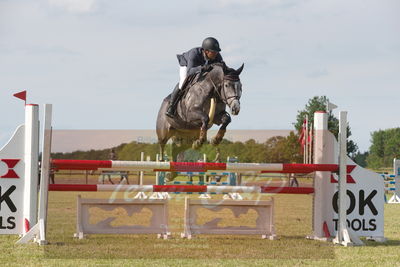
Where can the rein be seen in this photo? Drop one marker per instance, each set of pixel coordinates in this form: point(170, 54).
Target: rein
point(225, 99)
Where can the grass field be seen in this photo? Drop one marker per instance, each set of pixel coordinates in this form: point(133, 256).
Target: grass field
point(292, 220)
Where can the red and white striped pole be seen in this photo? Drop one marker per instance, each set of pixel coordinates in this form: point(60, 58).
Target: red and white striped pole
point(181, 188)
point(62, 164)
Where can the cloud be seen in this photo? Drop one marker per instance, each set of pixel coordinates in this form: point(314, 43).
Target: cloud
point(74, 6)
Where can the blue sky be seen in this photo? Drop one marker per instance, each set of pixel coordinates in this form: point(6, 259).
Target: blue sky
point(108, 64)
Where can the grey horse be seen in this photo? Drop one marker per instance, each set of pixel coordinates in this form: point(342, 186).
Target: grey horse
point(191, 122)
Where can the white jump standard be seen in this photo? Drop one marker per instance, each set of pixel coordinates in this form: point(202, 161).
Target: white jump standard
point(393, 186)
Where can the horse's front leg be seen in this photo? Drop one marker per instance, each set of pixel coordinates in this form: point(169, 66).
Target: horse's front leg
point(203, 130)
point(225, 120)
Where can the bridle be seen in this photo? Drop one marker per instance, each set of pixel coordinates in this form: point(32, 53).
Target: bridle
point(221, 94)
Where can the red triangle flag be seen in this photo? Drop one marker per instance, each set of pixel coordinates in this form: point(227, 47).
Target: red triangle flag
point(326, 230)
point(21, 95)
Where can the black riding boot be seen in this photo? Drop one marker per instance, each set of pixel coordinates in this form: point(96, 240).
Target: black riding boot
point(173, 102)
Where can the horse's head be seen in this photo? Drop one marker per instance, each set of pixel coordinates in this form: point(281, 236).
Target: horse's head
point(231, 89)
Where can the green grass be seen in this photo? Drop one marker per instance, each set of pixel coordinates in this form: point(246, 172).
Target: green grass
point(292, 220)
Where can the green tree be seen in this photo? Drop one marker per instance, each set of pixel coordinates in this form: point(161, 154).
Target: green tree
point(132, 151)
point(254, 152)
point(283, 149)
point(103, 154)
point(385, 145)
point(292, 149)
point(319, 103)
point(361, 158)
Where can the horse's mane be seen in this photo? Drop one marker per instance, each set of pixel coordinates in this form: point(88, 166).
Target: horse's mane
point(229, 73)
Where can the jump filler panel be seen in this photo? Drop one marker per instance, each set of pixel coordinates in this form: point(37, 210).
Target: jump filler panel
point(264, 223)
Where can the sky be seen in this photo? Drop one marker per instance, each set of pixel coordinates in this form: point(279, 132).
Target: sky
point(108, 64)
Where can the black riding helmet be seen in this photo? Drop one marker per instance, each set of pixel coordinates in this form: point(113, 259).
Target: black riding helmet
point(211, 44)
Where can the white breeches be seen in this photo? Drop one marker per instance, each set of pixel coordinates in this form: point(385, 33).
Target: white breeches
point(182, 75)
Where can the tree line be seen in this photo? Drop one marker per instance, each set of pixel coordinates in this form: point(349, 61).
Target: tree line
point(275, 149)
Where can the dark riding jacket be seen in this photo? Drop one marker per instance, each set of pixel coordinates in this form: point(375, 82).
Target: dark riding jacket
point(194, 59)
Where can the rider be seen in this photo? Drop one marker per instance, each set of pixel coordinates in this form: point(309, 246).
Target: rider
point(193, 61)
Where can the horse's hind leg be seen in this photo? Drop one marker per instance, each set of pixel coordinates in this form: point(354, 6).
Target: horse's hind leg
point(225, 120)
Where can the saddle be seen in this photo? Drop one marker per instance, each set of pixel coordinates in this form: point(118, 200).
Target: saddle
point(194, 78)
point(189, 82)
